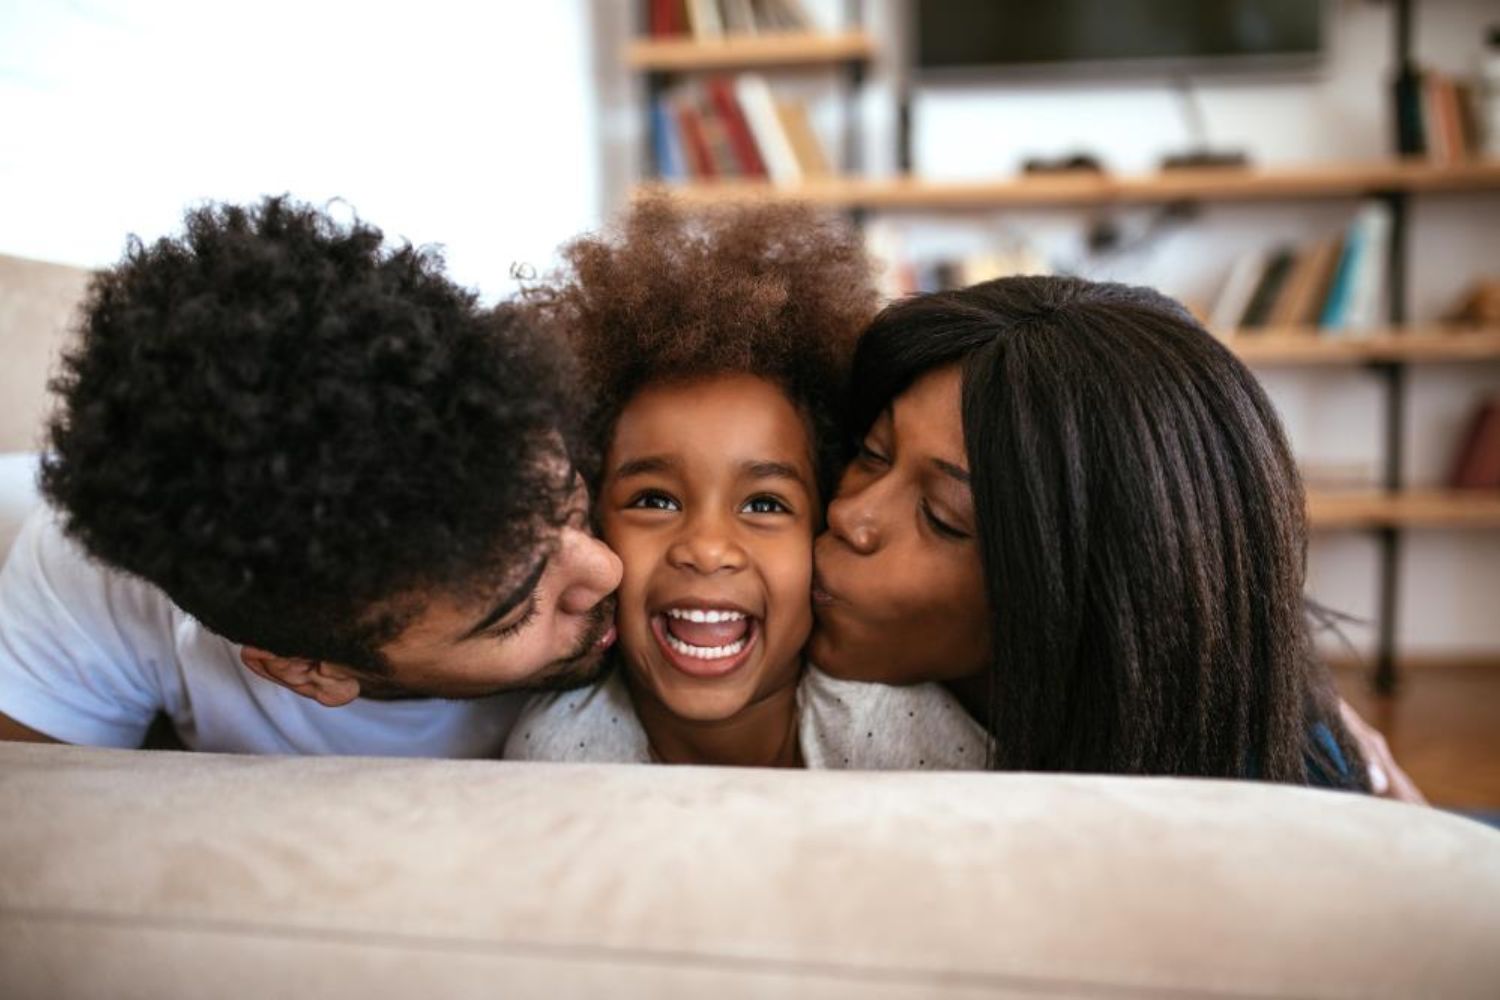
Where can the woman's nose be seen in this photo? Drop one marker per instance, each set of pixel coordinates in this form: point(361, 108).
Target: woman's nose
point(593, 571)
point(851, 519)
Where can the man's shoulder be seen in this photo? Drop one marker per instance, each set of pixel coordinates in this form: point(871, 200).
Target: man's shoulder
point(87, 653)
point(45, 558)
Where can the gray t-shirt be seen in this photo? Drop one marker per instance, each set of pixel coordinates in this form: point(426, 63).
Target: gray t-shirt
point(841, 725)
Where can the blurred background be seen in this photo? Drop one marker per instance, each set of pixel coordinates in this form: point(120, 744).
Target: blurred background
point(1319, 179)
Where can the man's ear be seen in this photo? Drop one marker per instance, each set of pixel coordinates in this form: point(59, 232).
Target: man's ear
point(328, 684)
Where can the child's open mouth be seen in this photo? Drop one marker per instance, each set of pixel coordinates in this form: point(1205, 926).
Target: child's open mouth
point(704, 641)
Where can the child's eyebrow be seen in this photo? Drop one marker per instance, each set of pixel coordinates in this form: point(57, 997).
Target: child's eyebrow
point(645, 466)
point(773, 470)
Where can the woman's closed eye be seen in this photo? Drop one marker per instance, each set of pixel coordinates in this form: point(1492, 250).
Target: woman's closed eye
point(869, 452)
point(941, 526)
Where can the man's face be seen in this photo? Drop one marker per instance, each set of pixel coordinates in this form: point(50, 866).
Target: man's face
point(548, 628)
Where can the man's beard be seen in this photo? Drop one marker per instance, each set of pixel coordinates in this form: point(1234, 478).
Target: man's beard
point(586, 666)
point(582, 667)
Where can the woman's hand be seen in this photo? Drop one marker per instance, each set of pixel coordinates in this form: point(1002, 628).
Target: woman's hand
point(1386, 777)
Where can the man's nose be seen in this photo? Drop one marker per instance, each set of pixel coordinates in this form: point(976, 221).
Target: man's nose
point(594, 571)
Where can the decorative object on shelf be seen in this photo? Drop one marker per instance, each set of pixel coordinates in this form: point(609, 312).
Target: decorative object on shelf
point(1480, 305)
point(1476, 465)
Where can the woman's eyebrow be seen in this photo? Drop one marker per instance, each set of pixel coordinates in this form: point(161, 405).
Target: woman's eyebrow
point(949, 469)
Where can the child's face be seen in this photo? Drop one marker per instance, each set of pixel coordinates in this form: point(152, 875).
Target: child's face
point(709, 499)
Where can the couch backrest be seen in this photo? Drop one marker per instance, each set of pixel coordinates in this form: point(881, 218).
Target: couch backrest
point(162, 875)
point(18, 496)
point(38, 306)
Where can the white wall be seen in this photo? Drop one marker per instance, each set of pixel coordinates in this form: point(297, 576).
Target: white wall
point(1450, 594)
point(466, 124)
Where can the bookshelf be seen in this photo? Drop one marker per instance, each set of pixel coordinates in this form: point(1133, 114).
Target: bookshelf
point(1333, 180)
point(777, 51)
point(1388, 354)
point(1411, 345)
point(1330, 511)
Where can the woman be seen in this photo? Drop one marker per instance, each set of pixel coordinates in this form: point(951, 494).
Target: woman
point(1075, 506)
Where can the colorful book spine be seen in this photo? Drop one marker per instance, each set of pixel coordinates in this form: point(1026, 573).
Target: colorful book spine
point(666, 143)
point(1336, 306)
point(721, 94)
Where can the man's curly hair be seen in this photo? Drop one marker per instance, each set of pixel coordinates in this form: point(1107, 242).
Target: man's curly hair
point(298, 433)
point(777, 291)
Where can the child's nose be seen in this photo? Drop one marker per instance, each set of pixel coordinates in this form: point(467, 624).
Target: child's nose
point(707, 547)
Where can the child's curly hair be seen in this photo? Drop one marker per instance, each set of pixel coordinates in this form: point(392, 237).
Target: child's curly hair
point(777, 291)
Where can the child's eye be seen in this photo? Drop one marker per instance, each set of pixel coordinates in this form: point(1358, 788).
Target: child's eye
point(765, 504)
point(653, 500)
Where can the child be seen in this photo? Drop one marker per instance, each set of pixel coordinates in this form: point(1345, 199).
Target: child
point(716, 349)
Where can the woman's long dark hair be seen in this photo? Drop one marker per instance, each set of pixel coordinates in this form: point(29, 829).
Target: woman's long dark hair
point(1141, 529)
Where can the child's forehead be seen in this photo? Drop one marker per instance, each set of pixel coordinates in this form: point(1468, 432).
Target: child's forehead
point(723, 417)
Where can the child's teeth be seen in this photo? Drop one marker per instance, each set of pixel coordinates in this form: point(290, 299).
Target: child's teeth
point(707, 652)
point(709, 617)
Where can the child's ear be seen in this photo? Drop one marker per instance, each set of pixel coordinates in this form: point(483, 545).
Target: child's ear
point(328, 684)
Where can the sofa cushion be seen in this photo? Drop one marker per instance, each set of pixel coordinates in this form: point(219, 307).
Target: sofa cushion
point(18, 495)
point(140, 874)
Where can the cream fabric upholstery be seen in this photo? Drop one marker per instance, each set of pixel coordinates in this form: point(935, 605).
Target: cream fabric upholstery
point(157, 875)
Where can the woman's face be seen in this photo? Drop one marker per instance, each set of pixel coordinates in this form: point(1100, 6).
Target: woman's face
point(899, 593)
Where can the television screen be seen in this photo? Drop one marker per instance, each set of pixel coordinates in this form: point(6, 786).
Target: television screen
point(1115, 35)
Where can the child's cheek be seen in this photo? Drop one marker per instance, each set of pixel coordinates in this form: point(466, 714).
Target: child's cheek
point(789, 577)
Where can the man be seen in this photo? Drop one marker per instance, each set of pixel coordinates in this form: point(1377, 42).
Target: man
point(304, 497)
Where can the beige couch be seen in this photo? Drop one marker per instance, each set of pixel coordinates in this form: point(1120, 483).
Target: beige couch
point(151, 875)
point(160, 875)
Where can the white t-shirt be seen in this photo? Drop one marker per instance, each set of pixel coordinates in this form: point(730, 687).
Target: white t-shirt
point(89, 655)
point(840, 724)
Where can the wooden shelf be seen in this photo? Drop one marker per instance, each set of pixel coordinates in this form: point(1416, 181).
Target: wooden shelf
point(1281, 183)
point(1411, 509)
point(749, 51)
point(1412, 344)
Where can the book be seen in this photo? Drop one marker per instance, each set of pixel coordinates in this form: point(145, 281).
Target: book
point(771, 140)
point(1477, 463)
point(668, 19)
point(1410, 138)
point(1235, 295)
point(720, 149)
point(1306, 286)
point(805, 145)
point(700, 161)
point(1336, 302)
point(666, 142)
point(703, 18)
point(727, 108)
point(781, 15)
point(739, 17)
point(1370, 278)
point(1272, 276)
